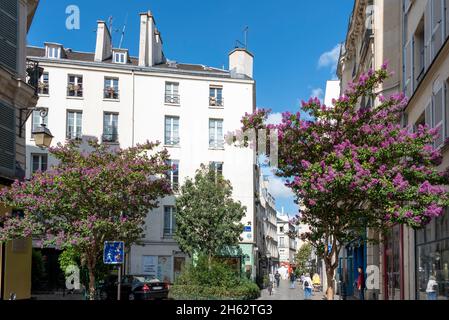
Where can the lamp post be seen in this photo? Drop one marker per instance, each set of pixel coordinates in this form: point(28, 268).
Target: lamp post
point(42, 135)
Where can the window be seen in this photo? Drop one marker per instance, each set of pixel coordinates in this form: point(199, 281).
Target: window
point(74, 121)
point(110, 88)
point(169, 221)
point(216, 139)
point(281, 242)
point(39, 162)
point(119, 57)
point(172, 92)
point(217, 167)
point(37, 120)
point(216, 96)
point(171, 131)
point(435, 112)
point(43, 85)
point(173, 174)
point(75, 86)
point(54, 52)
point(110, 127)
point(418, 54)
point(281, 229)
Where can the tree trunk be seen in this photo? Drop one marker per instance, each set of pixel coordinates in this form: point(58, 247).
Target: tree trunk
point(330, 272)
point(91, 268)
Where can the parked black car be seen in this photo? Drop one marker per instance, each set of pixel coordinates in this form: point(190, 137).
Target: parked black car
point(135, 287)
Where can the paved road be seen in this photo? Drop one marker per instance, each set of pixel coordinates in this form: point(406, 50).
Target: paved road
point(285, 293)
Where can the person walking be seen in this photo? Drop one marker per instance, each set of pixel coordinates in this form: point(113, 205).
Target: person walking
point(432, 288)
point(292, 280)
point(361, 283)
point(307, 286)
point(277, 277)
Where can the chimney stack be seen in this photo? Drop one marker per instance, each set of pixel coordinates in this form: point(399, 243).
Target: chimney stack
point(241, 63)
point(150, 44)
point(103, 48)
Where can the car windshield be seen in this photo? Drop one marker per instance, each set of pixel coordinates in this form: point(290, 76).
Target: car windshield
point(143, 279)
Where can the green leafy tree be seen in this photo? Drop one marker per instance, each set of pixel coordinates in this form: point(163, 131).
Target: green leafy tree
point(355, 168)
point(88, 198)
point(207, 218)
point(302, 257)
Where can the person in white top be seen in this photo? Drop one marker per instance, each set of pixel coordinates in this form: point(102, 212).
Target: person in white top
point(432, 288)
point(307, 286)
point(271, 283)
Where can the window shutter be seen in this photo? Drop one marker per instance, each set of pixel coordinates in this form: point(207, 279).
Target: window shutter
point(7, 139)
point(408, 67)
point(446, 111)
point(438, 114)
point(9, 33)
point(428, 115)
point(428, 34)
point(437, 26)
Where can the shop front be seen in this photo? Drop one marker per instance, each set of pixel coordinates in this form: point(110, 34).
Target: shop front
point(432, 260)
point(394, 264)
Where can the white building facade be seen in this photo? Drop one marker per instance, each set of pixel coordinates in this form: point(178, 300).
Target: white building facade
point(123, 100)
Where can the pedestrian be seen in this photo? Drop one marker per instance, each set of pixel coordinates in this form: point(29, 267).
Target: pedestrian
point(302, 278)
point(277, 277)
point(432, 288)
point(307, 287)
point(361, 283)
point(292, 280)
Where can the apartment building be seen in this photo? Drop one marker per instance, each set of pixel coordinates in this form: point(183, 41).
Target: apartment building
point(412, 35)
point(373, 37)
point(17, 98)
point(425, 44)
point(267, 240)
point(124, 100)
point(286, 240)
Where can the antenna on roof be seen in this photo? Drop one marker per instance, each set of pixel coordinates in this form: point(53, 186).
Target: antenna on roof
point(111, 30)
point(123, 31)
point(240, 44)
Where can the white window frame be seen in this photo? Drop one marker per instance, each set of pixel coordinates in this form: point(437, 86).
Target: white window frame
point(76, 82)
point(109, 83)
point(110, 123)
point(213, 97)
point(120, 57)
point(218, 140)
point(214, 166)
point(171, 96)
point(78, 131)
point(36, 115)
point(44, 83)
point(169, 136)
point(53, 52)
point(40, 157)
point(171, 175)
point(169, 232)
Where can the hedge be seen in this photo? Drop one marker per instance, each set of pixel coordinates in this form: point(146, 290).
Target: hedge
point(244, 291)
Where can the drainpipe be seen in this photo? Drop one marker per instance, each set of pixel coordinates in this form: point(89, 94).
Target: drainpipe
point(133, 127)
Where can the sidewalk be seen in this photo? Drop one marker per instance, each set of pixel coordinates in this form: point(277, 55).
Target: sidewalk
point(285, 293)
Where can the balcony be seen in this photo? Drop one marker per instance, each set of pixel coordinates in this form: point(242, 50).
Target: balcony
point(172, 98)
point(216, 144)
point(111, 93)
point(71, 135)
point(216, 102)
point(169, 233)
point(34, 73)
point(110, 137)
point(173, 142)
point(75, 90)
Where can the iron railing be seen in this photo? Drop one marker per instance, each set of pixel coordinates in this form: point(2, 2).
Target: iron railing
point(34, 73)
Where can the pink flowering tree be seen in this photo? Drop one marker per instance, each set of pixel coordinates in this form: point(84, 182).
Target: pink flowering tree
point(355, 168)
point(88, 198)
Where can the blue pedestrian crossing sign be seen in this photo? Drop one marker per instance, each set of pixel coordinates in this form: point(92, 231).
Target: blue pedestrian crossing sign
point(114, 252)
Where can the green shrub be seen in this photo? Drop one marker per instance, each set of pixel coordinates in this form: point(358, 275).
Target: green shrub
point(202, 280)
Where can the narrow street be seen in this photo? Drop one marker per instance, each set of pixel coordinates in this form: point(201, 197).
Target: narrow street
point(285, 293)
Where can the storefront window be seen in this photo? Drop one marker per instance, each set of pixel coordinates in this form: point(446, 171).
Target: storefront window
point(393, 264)
point(432, 259)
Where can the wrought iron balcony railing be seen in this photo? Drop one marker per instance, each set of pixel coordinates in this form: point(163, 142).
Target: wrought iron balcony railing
point(172, 98)
point(34, 73)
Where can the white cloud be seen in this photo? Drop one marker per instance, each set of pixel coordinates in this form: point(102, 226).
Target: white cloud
point(317, 93)
point(274, 118)
point(330, 58)
point(278, 189)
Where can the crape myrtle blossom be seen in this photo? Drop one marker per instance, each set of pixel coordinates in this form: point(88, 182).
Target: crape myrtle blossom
point(354, 168)
point(88, 198)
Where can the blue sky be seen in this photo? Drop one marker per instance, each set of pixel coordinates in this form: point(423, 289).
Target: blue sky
point(294, 42)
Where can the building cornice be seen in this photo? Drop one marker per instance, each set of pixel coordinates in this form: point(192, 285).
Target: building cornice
point(148, 71)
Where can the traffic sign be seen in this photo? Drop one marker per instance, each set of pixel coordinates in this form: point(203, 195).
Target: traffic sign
point(113, 252)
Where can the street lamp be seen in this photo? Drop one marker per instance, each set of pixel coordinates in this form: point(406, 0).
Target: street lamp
point(42, 135)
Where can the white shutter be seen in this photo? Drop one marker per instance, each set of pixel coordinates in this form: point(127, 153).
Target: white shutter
point(428, 34)
point(428, 115)
point(437, 26)
point(438, 114)
point(408, 68)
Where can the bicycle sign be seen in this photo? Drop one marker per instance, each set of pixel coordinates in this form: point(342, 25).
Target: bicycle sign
point(113, 252)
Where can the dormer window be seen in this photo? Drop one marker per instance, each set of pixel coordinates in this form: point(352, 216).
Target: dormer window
point(53, 52)
point(120, 57)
